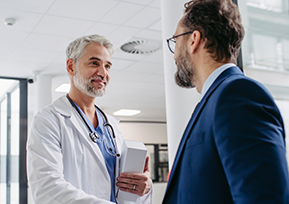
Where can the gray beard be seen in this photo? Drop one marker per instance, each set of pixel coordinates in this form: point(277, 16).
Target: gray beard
point(86, 87)
point(185, 71)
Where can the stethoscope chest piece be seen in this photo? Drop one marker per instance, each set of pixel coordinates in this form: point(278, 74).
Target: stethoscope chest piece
point(93, 136)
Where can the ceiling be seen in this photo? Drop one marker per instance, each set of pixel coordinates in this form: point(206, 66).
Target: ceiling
point(36, 44)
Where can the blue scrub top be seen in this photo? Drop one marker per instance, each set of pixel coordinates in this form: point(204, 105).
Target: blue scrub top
point(107, 139)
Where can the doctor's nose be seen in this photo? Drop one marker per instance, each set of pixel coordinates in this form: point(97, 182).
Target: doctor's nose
point(102, 71)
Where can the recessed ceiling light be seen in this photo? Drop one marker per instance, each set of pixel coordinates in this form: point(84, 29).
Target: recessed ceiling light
point(63, 88)
point(126, 112)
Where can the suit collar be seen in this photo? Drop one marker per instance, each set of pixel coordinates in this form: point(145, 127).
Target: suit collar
point(225, 74)
point(213, 76)
point(228, 72)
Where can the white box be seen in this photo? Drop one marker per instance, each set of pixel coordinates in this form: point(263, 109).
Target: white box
point(133, 156)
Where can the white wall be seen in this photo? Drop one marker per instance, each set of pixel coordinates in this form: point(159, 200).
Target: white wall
point(144, 132)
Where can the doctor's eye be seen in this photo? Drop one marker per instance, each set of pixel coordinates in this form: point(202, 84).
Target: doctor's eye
point(96, 63)
point(107, 66)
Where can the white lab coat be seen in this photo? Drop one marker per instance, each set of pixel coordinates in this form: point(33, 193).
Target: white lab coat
point(64, 166)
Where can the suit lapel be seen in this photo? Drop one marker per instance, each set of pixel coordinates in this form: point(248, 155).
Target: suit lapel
point(184, 139)
point(196, 113)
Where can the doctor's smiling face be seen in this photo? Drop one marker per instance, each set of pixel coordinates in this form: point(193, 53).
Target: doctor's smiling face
point(91, 71)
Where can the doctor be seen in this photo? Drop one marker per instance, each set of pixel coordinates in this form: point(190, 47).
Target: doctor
point(73, 147)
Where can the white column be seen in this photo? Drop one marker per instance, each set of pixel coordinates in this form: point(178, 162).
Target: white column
point(180, 102)
point(43, 91)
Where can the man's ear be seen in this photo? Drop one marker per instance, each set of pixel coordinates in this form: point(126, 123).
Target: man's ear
point(70, 67)
point(194, 41)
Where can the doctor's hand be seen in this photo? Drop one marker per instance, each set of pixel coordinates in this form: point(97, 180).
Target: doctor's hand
point(136, 183)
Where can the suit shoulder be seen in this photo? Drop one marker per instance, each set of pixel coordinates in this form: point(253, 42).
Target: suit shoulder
point(243, 85)
point(241, 80)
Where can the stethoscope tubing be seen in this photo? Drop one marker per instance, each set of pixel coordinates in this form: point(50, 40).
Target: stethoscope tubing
point(92, 134)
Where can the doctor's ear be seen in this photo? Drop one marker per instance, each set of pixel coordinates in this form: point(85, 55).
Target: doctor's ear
point(70, 66)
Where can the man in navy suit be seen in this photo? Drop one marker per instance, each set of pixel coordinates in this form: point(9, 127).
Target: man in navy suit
point(233, 148)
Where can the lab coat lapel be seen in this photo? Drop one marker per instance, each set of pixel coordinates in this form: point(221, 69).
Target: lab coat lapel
point(82, 129)
point(196, 113)
point(64, 107)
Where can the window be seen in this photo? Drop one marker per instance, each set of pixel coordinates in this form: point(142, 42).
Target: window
point(266, 41)
point(159, 165)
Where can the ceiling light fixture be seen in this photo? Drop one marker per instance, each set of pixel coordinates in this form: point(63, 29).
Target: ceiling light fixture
point(126, 112)
point(63, 88)
point(9, 21)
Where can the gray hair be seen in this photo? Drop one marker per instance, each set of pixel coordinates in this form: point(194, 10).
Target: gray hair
point(76, 49)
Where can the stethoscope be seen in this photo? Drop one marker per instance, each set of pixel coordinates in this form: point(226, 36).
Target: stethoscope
point(93, 136)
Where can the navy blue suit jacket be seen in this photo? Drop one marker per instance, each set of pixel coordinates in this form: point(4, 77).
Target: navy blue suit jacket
point(233, 149)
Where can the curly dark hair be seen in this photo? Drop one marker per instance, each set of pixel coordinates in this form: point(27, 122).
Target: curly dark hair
point(219, 23)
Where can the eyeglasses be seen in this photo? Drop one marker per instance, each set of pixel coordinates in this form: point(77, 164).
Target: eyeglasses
point(172, 42)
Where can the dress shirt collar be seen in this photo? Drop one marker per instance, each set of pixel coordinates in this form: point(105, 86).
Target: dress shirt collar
point(210, 80)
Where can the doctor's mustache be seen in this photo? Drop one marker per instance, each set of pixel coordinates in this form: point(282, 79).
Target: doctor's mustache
point(98, 78)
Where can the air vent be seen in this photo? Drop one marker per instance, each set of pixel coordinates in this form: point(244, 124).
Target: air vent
point(140, 46)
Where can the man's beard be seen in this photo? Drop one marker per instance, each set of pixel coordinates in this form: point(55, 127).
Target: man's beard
point(86, 86)
point(185, 71)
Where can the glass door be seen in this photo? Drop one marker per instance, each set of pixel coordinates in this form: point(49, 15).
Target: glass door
point(12, 167)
